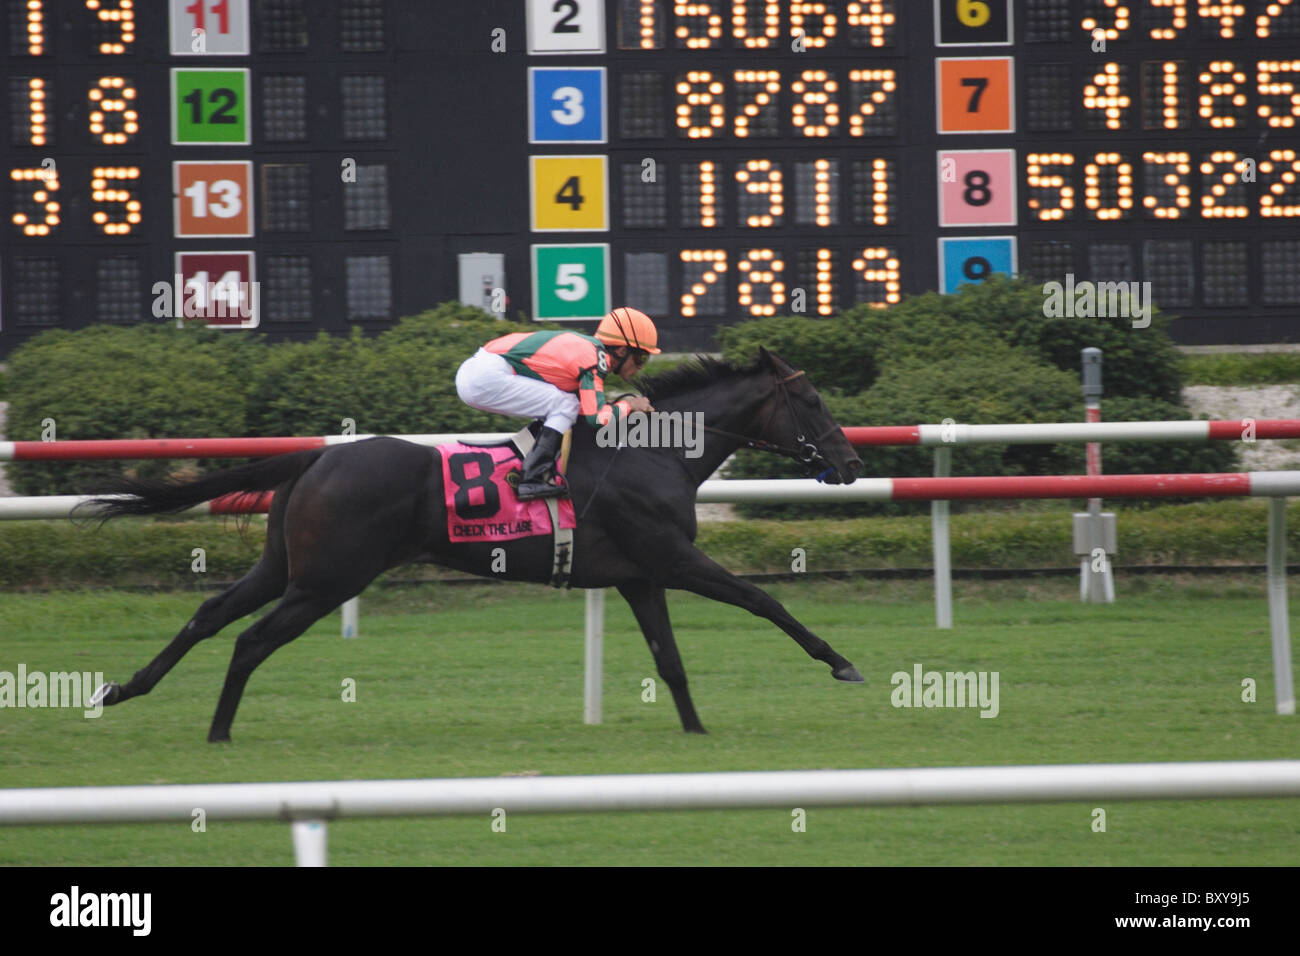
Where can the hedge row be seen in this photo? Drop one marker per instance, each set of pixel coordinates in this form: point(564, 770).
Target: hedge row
point(157, 381)
point(1237, 369)
point(986, 354)
point(56, 554)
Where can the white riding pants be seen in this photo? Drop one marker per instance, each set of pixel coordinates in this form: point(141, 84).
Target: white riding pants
point(486, 381)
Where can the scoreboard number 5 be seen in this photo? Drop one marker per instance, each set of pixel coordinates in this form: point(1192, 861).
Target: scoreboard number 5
point(570, 281)
point(566, 26)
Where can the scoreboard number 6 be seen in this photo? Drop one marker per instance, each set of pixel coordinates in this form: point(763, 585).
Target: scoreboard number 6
point(972, 22)
point(973, 13)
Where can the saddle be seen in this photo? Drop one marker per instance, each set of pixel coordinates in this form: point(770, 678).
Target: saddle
point(481, 505)
point(522, 443)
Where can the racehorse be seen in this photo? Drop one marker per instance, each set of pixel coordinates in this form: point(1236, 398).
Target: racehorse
point(344, 514)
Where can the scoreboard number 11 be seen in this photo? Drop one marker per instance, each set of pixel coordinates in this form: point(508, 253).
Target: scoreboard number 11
point(209, 27)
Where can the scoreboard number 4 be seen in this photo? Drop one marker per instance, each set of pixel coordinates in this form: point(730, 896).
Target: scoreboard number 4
point(569, 194)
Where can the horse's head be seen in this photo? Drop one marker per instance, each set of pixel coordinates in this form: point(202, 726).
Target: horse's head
point(798, 421)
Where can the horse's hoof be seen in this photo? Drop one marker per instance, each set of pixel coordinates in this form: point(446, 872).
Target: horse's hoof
point(107, 695)
point(214, 738)
point(849, 675)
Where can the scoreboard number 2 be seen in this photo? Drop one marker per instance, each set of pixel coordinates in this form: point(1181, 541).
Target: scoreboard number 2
point(566, 26)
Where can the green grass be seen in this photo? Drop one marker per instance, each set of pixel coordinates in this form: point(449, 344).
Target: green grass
point(1262, 368)
point(487, 680)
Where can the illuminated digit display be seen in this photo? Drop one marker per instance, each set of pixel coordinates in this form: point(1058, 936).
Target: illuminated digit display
point(707, 161)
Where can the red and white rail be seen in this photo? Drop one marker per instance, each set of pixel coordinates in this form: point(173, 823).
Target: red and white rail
point(1237, 429)
point(1051, 433)
point(1256, 484)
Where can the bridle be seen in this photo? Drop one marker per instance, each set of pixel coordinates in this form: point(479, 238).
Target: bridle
point(807, 453)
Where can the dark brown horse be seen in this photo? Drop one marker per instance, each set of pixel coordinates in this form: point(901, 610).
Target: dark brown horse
point(343, 515)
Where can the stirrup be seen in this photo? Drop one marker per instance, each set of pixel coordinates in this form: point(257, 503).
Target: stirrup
point(556, 488)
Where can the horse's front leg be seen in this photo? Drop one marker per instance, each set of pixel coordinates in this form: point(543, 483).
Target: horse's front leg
point(695, 571)
point(650, 606)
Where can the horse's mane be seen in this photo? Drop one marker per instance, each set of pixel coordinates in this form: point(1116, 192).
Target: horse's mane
point(695, 373)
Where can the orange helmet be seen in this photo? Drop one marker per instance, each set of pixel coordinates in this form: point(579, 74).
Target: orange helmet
point(626, 326)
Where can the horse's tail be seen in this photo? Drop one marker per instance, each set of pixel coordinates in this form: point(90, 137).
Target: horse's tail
point(131, 496)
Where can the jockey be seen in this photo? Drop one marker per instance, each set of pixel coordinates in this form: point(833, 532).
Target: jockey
point(555, 376)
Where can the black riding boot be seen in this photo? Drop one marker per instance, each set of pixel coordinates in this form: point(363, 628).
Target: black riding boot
point(535, 482)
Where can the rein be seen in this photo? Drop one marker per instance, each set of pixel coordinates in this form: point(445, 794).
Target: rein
point(805, 454)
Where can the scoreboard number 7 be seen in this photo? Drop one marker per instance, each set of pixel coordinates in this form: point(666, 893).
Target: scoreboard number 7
point(975, 95)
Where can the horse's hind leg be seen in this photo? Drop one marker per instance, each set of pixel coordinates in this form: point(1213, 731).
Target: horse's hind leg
point(265, 582)
point(298, 610)
point(650, 606)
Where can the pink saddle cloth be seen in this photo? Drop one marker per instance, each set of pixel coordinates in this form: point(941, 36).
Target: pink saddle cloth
point(481, 506)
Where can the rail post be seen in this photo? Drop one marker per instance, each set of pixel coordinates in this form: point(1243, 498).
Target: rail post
point(1098, 530)
point(1279, 623)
